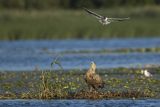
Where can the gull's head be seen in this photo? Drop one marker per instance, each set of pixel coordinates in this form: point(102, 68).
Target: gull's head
point(105, 22)
point(146, 73)
point(105, 18)
point(93, 66)
point(142, 71)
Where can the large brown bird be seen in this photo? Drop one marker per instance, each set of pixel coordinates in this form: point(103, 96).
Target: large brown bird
point(92, 79)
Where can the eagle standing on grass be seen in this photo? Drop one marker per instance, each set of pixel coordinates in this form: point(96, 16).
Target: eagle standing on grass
point(92, 79)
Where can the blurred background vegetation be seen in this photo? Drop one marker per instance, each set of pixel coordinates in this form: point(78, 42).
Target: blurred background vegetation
point(65, 19)
point(72, 4)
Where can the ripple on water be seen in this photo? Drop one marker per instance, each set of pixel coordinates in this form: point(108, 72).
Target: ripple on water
point(26, 55)
point(80, 103)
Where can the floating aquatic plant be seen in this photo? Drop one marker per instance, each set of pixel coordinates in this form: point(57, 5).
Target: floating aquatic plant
point(51, 84)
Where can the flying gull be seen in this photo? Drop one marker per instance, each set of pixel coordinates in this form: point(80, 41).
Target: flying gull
point(103, 19)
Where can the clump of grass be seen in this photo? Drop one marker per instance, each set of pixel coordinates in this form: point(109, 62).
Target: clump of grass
point(110, 94)
point(8, 95)
point(53, 84)
point(46, 90)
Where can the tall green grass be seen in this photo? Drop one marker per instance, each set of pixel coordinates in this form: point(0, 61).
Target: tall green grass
point(66, 24)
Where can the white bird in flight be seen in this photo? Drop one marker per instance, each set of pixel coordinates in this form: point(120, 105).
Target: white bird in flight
point(103, 19)
point(146, 73)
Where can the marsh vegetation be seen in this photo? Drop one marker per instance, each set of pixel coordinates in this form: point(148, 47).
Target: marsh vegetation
point(67, 24)
point(53, 84)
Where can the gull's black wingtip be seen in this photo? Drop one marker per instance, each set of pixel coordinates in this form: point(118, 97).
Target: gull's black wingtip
point(85, 9)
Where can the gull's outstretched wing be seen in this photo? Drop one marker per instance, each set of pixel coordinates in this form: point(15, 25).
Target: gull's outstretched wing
point(93, 13)
point(117, 19)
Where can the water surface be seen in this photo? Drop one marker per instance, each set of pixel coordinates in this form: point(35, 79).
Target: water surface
point(80, 103)
point(26, 55)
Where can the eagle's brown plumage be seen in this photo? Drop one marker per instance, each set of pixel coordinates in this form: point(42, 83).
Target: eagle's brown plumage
point(92, 79)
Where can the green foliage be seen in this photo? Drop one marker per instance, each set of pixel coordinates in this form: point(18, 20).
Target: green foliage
point(120, 83)
point(64, 24)
point(50, 4)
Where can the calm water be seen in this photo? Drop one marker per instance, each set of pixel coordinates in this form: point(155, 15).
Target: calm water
point(26, 55)
point(80, 103)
